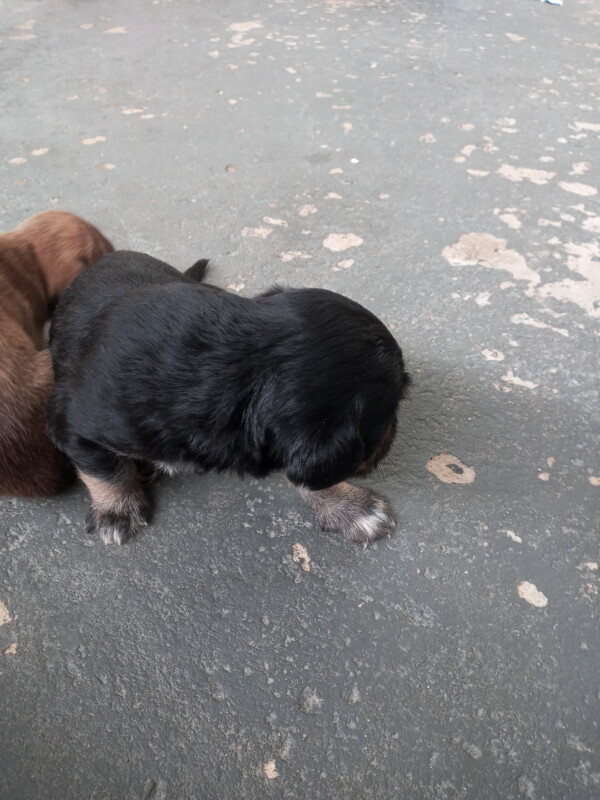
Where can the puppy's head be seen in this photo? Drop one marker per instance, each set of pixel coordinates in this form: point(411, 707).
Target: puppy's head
point(64, 245)
point(339, 389)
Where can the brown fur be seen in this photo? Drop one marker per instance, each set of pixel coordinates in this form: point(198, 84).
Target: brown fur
point(38, 261)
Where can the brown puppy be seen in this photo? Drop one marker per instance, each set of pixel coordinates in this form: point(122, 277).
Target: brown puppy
point(38, 261)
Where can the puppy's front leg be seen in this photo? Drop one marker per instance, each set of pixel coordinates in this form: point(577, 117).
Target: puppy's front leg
point(358, 514)
point(119, 504)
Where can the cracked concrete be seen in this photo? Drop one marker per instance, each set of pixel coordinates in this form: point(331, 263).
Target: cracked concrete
point(346, 144)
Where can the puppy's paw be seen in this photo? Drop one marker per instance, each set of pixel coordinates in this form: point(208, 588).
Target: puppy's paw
point(360, 515)
point(371, 519)
point(116, 527)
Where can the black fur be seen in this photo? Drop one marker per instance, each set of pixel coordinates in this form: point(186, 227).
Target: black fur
point(197, 271)
point(153, 366)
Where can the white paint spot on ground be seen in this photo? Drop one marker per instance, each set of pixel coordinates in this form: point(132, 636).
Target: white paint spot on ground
point(518, 174)
point(41, 151)
point(93, 140)
point(478, 173)
point(333, 196)
point(336, 242)
point(583, 260)
point(581, 189)
point(119, 29)
point(483, 299)
point(428, 138)
point(511, 378)
point(257, 233)
point(493, 355)
point(235, 287)
point(128, 111)
point(512, 535)
point(525, 319)
point(18, 160)
point(11, 650)
point(591, 224)
point(301, 557)
point(106, 166)
point(273, 221)
point(22, 37)
point(244, 27)
point(544, 476)
point(594, 480)
point(347, 126)
point(86, 26)
point(591, 565)
point(346, 263)
point(336, 171)
point(514, 37)
point(511, 220)
point(586, 126)
point(305, 211)
point(4, 615)
point(466, 126)
point(290, 255)
point(450, 469)
point(551, 462)
point(530, 593)
point(25, 26)
point(579, 168)
point(488, 251)
point(269, 771)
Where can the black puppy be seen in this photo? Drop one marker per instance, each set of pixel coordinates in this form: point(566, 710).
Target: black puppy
point(154, 369)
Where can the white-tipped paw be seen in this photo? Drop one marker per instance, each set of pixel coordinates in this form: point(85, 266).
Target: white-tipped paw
point(358, 514)
point(369, 526)
point(115, 528)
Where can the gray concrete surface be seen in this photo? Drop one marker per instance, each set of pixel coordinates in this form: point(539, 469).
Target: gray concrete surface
point(199, 657)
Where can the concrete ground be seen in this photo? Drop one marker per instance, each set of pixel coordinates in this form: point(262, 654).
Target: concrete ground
point(457, 142)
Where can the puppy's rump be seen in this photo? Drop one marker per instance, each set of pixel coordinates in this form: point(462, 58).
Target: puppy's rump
point(37, 262)
point(30, 465)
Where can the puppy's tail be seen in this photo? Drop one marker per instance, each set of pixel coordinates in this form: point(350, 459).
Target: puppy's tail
point(198, 270)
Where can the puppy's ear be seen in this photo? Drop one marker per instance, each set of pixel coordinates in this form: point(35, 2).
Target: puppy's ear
point(197, 271)
point(328, 459)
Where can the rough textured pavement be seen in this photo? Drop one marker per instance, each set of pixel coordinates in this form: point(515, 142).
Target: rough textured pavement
point(458, 140)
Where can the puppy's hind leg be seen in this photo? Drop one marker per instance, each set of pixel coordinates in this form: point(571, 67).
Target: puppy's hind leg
point(360, 515)
point(119, 505)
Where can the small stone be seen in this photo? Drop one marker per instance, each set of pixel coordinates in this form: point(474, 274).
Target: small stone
point(269, 771)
